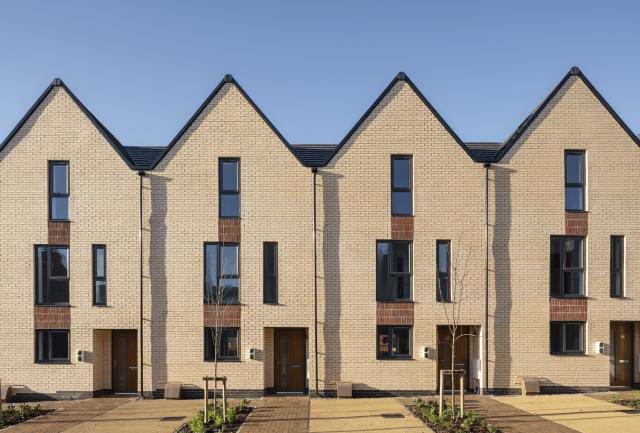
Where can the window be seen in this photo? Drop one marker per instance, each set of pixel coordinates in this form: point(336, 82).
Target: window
point(443, 283)
point(567, 266)
point(52, 275)
point(270, 272)
point(617, 266)
point(574, 175)
point(58, 190)
point(99, 275)
point(229, 181)
point(567, 338)
point(401, 184)
point(227, 344)
point(222, 274)
point(394, 342)
point(393, 271)
point(52, 345)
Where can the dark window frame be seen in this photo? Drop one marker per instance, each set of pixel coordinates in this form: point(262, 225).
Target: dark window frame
point(50, 247)
point(390, 330)
point(96, 278)
point(48, 333)
point(440, 275)
point(582, 185)
point(207, 339)
point(52, 194)
point(565, 269)
point(395, 189)
point(564, 351)
point(614, 272)
point(391, 274)
point(222, 192)
point(218, 276)
point(265, 276)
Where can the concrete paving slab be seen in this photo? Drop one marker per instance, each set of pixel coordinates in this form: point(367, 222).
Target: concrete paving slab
point(370, 415)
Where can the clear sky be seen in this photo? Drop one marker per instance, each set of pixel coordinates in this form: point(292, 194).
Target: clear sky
point(143, 67)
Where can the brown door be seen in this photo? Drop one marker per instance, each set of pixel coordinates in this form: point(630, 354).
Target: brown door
point(622, 354)
point(289, 360)
point(124, 375)
point(461, 356)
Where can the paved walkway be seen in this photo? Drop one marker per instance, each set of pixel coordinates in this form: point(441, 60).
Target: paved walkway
point(370, 415)
point(278, 415)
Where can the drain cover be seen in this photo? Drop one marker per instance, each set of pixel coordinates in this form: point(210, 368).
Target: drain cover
point(172, 418)
point(392, 415)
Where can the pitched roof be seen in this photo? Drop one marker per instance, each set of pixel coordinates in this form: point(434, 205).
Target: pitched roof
point(315, 155)
point(144, 157)
point(57, 82)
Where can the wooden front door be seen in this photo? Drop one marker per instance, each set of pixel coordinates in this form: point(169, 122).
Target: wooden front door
point(289, 360)
point(461, 357)
point(124, 376)
point(622, 354)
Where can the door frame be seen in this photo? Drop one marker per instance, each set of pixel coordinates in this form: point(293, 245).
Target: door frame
point(305, 339)
point(467, 378)
point(612, 354)
point(113, 376)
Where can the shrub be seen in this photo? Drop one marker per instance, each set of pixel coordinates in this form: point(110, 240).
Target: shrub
point(232, 415)
point(196, 424)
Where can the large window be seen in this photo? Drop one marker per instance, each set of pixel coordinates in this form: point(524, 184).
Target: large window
point(52, 345)
point(401, 186)
point(227, 344)
point(59, 190)
point(617, 266)
point(394, 342)
point(443, 265)
point(567, 338)
point(270, 272)
point(52, 275)
point(99, 275)
point(567, 266)
point(574, 180)
point(222, 273)
point(393, 271)
point(229, 182)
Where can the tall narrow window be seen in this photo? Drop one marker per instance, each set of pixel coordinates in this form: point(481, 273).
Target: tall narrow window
point(99, 275)
point(52, 345)
point(567, 266)
point(401, 186)
point(226, 347)
point(221, 274)
point(58, 190)
point(229, 181)
point(566, 338)
point(270, 272)
point(617, 266)
point(574, 180)
point(443, 282)
point(52, 275)
point(393, 271)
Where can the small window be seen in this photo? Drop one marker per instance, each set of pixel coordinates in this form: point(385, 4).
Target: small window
point(393, 271)
point(222, 273)
point(99, 275)
point(58, 190)
point(567, 338)
point(52, 345)
point(229, 181)
point(443, 265)
point(567, 266)
point(401, 186)
point(574, 180)
point(270, 272)
point(52, 275)
point(227, 344)
point(617, 266)
point(394, 342)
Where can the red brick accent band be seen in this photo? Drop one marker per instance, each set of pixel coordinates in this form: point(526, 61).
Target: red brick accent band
point(228, 229)
point(51, 317)
point(576, 223)
point(59, 232)
point(402, 228)
point(230, 315)
point(394, 313)
point(567, 309)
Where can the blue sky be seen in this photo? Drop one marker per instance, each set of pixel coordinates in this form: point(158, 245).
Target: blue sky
point(143, 67)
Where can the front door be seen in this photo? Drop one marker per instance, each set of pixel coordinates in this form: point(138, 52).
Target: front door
point(461, 356)
point(289, 360)
point(124, 375)
point(621, 354)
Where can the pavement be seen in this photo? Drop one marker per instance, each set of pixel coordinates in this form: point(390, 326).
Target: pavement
point(278, 415)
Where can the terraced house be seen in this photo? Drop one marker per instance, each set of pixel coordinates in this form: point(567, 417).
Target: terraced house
point(334, 262)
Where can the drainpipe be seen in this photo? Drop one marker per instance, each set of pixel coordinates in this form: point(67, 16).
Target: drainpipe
point(315, 277)
point(485, 388)
point(141, 175)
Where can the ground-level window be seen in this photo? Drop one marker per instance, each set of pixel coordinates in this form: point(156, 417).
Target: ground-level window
point(567, 338)
point(227, 344)
point(394, 342)
point(393, 271)
point(221, 273)
point(52, 345)
point(52, 275)
point(567, 266)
